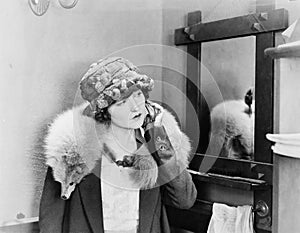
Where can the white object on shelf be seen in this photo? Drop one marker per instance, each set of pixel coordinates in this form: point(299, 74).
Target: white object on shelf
point(292, 33)
point(290, 44)
point(286, 144)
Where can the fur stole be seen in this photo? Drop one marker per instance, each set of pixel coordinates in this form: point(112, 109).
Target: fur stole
point(75, 144)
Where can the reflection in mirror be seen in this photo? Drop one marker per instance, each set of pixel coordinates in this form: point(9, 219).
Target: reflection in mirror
point(231, 63)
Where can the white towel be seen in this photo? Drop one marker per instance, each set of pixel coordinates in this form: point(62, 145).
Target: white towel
point(226, 219)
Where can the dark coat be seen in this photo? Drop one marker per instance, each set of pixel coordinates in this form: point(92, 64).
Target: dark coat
point(82, 213)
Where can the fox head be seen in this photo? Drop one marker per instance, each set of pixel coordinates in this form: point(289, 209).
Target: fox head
point(69, 171)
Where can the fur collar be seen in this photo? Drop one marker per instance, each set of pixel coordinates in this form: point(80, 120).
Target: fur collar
point(75, 143)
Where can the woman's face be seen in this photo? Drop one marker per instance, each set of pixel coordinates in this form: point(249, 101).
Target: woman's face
point(130, 112)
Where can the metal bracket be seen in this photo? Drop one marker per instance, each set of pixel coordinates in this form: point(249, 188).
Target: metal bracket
point(261, 208)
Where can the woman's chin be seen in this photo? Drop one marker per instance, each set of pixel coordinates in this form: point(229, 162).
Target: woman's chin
point(131, 125)
point(137, 124)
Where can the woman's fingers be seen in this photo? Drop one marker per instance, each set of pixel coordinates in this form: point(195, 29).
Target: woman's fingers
point(158, 120)
point(156, 112)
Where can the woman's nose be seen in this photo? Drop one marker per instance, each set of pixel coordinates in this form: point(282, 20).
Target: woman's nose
point(133, 104)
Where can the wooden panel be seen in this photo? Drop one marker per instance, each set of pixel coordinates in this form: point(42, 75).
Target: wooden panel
point(195, 219)
point(196, 107)
point(221, 194)
point(264, 119)
point(264, 95)
point(192, 84)
point(234, 27)
point(194, 17)
point(231, 181)
point(192, 102)
point(233, 167)
point(263, 224)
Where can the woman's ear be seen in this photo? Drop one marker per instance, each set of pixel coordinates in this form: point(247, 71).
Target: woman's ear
point(88, 111)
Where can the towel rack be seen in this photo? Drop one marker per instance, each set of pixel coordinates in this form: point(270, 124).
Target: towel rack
point(197, 218)
point(261, 208)
point(229, 181)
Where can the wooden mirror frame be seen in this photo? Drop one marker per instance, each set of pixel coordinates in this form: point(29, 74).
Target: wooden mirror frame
point(254, 176)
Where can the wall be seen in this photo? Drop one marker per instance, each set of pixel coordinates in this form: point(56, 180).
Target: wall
point(286, 170)
point(288, 82)
point(286, 194)
point(292, 6)
point(42, 59)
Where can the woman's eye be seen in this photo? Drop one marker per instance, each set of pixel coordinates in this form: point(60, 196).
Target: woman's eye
point(121, 102)
point(71, 183)
point(138, 94)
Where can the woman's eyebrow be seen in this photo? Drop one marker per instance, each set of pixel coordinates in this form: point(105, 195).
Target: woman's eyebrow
point(123, 100)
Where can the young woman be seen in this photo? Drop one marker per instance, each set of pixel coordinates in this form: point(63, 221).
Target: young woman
point(115, 162)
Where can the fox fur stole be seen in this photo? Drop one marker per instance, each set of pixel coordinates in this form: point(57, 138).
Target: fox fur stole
point(75, 144)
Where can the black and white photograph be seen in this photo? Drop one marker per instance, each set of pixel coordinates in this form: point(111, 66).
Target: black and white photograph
point(150, 116)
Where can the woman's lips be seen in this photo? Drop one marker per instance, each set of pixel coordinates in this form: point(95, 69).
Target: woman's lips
point(137, 116)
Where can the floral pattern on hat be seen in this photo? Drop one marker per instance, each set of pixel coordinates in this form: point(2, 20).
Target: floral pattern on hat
point(109, 80)
point(102, 103)
point(99, 86)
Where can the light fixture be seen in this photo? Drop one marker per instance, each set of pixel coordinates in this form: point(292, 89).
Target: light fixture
point(39, 7)
point(68, 4)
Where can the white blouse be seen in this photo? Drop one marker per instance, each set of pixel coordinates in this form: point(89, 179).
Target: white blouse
point(120, 199)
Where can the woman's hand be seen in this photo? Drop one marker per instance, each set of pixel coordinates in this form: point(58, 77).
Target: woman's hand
point(156, 136)
point(154, 115)
point(158, 117)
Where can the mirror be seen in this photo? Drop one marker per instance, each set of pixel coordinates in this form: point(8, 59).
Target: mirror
point(231, 64)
